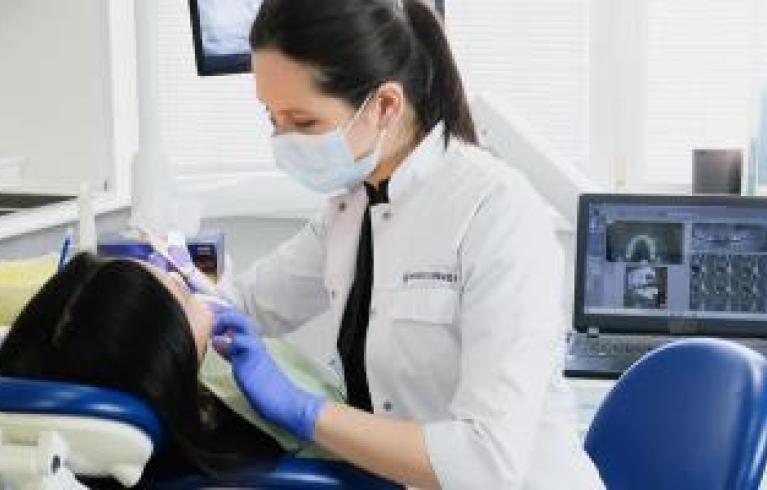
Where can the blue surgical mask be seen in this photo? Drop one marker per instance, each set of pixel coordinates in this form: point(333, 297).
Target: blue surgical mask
point(325, 162)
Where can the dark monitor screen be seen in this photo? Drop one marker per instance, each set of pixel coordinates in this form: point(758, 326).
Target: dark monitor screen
point(221, 29)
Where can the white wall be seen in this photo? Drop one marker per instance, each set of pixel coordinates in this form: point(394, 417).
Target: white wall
point(55, 89)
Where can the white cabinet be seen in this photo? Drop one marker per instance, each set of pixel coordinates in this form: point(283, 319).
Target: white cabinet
point(67, 92)
point(589, 394)
point(68, 104)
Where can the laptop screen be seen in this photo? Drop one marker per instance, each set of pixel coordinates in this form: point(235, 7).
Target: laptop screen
point(696, 264)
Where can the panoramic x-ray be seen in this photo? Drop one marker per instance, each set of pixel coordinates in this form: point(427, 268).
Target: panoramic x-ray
point(727, 237)
point(644, 242)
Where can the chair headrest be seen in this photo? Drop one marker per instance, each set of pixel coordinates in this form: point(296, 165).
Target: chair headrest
point(26, 396)
point(692, 414)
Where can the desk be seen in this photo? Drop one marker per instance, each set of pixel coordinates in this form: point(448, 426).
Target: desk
point(589, 394)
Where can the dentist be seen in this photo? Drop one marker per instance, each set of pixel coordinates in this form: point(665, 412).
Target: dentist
point(437, 261)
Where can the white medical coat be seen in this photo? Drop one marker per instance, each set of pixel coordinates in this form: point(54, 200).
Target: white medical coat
point(466, 331)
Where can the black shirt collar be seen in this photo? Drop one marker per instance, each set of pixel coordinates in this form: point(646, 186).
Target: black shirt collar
point(378, 195)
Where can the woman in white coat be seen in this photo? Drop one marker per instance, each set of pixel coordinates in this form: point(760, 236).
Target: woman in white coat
point(438, 262)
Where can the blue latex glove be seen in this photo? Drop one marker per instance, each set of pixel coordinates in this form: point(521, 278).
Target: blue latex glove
point(269, 391)
point(172, 255)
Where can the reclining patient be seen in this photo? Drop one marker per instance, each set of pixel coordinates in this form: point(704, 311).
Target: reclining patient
point(133, 327)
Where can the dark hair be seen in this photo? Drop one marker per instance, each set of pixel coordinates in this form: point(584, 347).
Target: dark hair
point(356, 45)
point(113, 324)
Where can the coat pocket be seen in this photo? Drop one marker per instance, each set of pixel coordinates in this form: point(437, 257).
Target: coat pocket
point(425, 306)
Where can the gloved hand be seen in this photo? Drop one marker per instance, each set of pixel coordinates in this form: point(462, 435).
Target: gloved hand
point(269, 391)
point(173, 255)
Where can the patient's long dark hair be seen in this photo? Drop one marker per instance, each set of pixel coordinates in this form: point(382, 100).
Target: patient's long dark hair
point(112, 323)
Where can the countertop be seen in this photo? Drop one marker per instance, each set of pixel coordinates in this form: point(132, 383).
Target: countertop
point(36, 219)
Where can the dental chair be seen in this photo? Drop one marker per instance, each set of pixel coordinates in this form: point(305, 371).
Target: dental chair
point(51, 433)
point(690, 415)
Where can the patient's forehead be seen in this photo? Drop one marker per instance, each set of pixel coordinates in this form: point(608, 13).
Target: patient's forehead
point(174, 286)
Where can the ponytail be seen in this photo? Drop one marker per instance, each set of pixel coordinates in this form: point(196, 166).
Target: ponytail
point(357, 45)
point(444, 96)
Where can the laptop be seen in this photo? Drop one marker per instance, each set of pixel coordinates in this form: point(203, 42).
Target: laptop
point(654, 269)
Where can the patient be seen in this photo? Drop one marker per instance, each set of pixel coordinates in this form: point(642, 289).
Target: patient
point(129, 326)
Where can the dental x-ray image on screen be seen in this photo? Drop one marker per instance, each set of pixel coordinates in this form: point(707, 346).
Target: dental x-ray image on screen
point(729, 237)
point(221, 31)
point(646, 287)
point(645, 242)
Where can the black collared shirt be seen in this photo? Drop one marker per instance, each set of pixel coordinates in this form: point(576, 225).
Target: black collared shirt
point(354, 325)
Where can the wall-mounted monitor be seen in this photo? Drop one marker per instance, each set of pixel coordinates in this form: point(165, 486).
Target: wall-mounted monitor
point(221, 28)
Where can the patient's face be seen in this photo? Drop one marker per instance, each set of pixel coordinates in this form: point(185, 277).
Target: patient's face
point(198, 314)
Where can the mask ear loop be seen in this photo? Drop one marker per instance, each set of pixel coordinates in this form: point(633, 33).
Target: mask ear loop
point(378, 148)
point(382, 133)
point(357, 114)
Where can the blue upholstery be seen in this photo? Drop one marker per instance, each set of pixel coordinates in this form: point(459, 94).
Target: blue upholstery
point(691, 415)
point(56, 398)
point(288, 472)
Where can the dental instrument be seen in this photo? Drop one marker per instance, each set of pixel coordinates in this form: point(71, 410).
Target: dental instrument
point(175, 254)
point(66, 245)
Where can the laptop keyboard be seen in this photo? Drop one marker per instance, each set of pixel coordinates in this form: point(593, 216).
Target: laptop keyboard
point(614, 345)
point(609, 355)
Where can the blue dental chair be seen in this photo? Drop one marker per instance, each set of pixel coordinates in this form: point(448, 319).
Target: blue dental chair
point(51, 431)
point(690, 415)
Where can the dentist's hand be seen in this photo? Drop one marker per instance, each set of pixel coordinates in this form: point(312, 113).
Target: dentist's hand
point(269, 391)
point(172, 255)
